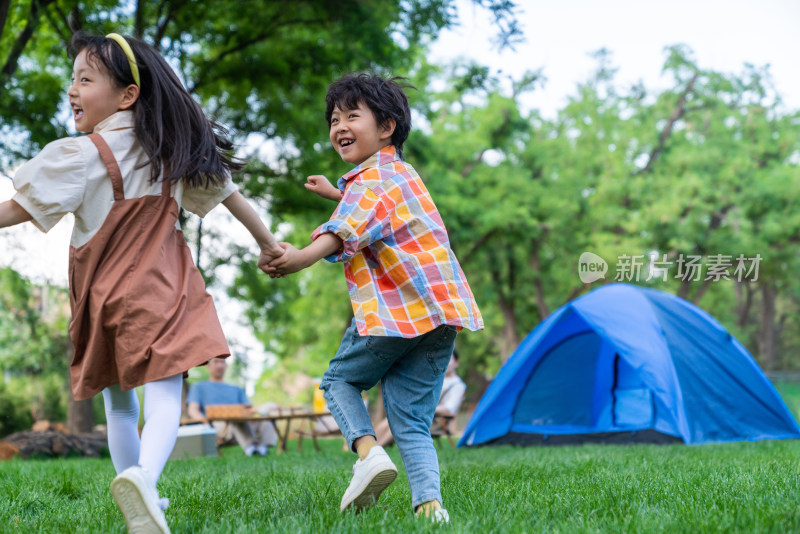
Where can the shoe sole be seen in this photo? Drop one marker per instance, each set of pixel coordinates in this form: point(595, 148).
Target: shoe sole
point(132, 503)
point(370, 494)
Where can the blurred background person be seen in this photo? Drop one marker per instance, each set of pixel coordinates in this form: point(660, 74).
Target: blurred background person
point(252, 437)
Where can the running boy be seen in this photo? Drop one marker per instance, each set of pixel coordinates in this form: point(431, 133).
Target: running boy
point(408, 292)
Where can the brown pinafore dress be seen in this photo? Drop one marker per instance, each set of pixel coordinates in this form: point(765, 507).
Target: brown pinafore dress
point(140, 310)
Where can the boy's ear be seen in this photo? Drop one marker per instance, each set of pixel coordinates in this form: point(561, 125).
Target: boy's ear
point(387, 128)
point(129, 96)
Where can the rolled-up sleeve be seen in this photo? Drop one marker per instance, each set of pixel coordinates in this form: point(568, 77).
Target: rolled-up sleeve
point(360, 219)
point(201, 200)
point(53, 183)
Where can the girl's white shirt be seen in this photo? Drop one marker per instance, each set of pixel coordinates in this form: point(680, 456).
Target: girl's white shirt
point(68, 176)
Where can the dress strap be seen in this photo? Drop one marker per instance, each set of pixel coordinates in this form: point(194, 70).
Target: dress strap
point(111, 165)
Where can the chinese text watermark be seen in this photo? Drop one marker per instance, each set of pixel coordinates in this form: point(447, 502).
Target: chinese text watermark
point(687, 268)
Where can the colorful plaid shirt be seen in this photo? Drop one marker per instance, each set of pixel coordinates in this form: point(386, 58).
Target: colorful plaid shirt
point(403, 278)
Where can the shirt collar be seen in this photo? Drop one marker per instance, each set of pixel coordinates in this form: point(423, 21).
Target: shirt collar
point(384, 156)
point(115, 121)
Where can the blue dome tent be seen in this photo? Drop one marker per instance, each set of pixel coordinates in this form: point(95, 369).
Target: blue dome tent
point(625, 363)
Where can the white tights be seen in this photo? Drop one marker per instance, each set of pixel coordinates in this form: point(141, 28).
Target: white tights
point(162, 415)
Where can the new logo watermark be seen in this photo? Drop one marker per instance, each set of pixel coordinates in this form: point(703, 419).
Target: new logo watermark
point(591, 267)
point(690, 268)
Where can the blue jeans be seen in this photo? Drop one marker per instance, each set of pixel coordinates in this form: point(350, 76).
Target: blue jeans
point(411, 372)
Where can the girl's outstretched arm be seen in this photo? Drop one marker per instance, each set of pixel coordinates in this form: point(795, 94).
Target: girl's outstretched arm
point(12, 213)
point(240, 209)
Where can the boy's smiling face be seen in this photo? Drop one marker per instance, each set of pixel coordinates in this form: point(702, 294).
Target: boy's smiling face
point(356, 135)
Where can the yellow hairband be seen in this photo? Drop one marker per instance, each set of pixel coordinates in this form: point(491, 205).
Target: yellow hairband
point(120, 40)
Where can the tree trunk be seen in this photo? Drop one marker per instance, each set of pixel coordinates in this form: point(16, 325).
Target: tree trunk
point(700, 292)
point(510, 339)
point(80, 416)
point(683, 291)
point(677, 113)
point(767, 334)
point(541, 304)
point(12, 60)
point(505, 301)
point(5, 5)
point(745, 302)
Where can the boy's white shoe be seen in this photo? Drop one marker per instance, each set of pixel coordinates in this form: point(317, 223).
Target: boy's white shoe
point(440, 516)
point(371, 476)
point(137, 498)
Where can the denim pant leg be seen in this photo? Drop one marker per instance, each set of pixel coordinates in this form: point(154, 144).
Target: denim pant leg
point(411, 391)
point(352, 370)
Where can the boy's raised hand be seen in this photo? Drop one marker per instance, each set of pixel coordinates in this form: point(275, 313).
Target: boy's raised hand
point(317, 183)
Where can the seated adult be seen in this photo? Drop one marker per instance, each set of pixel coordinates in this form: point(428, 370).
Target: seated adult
point(254, 437)
point(326, 424)
point(453, 389)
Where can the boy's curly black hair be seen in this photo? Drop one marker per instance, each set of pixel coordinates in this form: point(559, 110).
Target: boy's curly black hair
point(385, 97)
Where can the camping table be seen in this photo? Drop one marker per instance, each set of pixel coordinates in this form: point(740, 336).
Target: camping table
point(302, 415)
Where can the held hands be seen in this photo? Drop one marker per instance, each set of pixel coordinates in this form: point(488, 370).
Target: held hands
point(320, 185)
point(294, 260)
point(291, 259)
point(289, 262)
point(268, 254)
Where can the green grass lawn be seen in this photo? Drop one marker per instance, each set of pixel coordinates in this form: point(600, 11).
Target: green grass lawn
point(739, 487)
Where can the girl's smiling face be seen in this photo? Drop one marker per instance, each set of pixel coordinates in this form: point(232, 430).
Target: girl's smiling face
point(356, 135)
point(93, 95)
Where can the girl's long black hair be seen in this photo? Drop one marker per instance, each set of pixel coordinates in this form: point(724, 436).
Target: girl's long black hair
point(171, 127)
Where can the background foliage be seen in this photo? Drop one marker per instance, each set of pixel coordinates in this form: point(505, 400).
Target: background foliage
point(706, 167)
point(34, 341)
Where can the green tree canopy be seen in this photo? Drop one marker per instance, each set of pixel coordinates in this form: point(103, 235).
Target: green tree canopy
point(705, 168)
point(259, 67)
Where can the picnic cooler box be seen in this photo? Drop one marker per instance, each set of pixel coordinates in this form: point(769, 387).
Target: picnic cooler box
point(194, 441)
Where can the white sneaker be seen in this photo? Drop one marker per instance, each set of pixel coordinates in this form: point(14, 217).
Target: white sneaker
point(262, 450)
point(440, 516)
point(137, 498)
point(370, 477)
point(249, 450)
